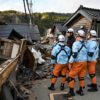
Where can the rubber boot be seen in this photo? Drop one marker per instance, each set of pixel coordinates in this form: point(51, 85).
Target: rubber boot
point(89, 85)
point(93, 88)
point(71, 93)
point(51, 87)
point(80, 91)
point(62, 86)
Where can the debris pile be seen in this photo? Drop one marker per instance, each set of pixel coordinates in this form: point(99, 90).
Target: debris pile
point(42, 67)
point(45, 71)
point(20, 91)
point(42, 71)
point(26, 74)
point(38, 56)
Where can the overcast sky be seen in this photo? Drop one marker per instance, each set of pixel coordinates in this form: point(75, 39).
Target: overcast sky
point(60, 6)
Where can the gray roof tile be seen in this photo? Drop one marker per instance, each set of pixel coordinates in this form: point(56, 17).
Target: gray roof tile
point(23, 30)
point(92, 12)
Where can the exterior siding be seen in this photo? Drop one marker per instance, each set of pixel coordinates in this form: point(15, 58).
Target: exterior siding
point(80, 21)
point(7, 49)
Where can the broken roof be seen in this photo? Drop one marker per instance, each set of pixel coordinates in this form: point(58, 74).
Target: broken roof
point(60, 27)
point(89, 13)
point(24, 30)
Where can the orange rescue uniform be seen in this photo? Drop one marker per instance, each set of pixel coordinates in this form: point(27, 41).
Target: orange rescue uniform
point(60, 69)
point(78, 68)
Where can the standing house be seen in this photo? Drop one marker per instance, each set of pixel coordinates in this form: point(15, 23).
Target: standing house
point(89, 18)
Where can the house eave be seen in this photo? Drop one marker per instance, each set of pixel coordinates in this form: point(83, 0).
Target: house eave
point(83, 13)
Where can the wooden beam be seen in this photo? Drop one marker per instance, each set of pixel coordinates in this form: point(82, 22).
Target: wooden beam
point(7, 69)
point(8, 40)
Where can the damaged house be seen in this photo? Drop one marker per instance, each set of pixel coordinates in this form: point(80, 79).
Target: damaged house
point(52, 33)
point(61, 28)
point(87, 18)
point(31, 33)
point(10, 36)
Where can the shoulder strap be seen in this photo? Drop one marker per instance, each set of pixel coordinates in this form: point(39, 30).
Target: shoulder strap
point(83, 45)
point(62, 48)
point(97, 44)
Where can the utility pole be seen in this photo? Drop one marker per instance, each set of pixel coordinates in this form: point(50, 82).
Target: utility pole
point(27, 9)
point(30, 7)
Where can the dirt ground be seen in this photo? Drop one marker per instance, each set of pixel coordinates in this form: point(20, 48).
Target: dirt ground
point(41, 92)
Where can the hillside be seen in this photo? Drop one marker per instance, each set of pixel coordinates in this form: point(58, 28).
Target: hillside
point(43, 20)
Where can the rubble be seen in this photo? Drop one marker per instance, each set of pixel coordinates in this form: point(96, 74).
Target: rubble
point(38, 56)
point(42, 68)
point(20, 91)
point(45, 71)
point(50, 35)
point(42, 71)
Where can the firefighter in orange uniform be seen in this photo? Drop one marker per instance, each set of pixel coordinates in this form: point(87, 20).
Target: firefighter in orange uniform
point(92, 46)
point(60, 54)
point(78, 60)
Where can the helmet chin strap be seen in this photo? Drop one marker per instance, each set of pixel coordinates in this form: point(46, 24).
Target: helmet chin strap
point(61, 41)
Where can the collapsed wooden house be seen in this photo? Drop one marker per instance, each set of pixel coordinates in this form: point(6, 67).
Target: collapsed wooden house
point(10, 36)
point(88, 18)
point(8, 48)
point(8, 71)
point(14, 40)
point(52, 33)
point(61, 28)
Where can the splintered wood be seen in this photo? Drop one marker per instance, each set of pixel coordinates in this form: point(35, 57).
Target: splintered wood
point(59, 96)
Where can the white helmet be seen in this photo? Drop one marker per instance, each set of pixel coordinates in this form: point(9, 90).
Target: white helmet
point(93, 33)
point(81, 27)
point(81, 33)
point(71, 30)
point(61, 38)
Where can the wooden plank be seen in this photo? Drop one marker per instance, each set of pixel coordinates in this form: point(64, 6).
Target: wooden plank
point(8, 40)
point(5, 39)
point(5, 72)
point(7, 49)
point(59, 96)
point(10, 65)
point(79, 21)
